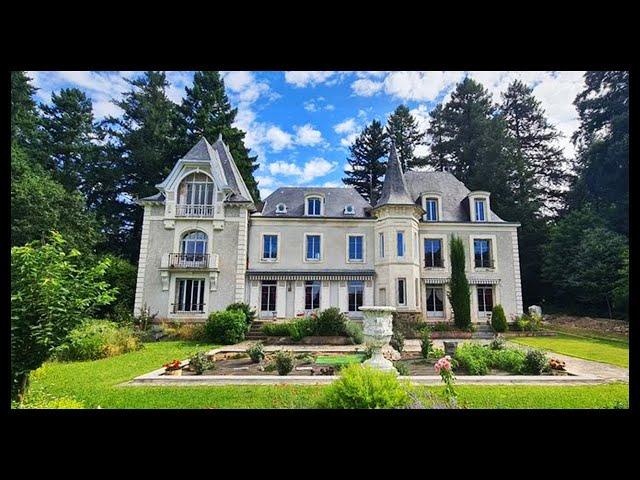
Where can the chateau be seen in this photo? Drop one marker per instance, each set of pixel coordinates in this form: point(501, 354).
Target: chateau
point(206, 243)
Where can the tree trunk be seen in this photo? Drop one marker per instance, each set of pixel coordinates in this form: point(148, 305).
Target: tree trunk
point(23, 384)
point(608, 306)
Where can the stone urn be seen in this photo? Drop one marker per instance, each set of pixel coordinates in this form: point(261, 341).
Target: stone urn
point(378, 329)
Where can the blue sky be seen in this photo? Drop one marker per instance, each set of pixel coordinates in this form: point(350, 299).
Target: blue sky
point(301, 123)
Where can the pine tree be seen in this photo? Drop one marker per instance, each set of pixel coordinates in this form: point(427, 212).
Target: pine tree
point(206, 111)
point(544, 162)
point(25, 117)
point(68, 132)
point(404, 131)
point(603, 148)
point(366, 160)
point(459, 292)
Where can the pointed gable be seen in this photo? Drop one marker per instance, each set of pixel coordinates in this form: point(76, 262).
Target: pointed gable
point(394, 188)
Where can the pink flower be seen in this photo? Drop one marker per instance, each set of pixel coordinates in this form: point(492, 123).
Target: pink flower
point(443, 364)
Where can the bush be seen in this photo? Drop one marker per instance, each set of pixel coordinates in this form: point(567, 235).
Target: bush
point(184, 331)
point(256, 352)
point(95, 339)
point(284, 362)
point(498, 319)
point(302, 327)
point(355, 332)
point(249, 313)
point(402, 369)
point(509, 360)
point(122, 275)
point(277, 329)
point(364, 387)
point(498, 343)
point(436, 353)
point(226, 327)
point(145, 318)
point(425, 343)
point(397, 341)
point(473, 358)
point(331, 322)
point(201, 362)
point(534, 362)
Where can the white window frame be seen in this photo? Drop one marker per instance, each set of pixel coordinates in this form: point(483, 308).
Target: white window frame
point(352, 210)
point(472, 260)
point(438, 199)
point(479, 196)
point(275, 288)
point(305, 246)
point(404, 302)
point(435, 313)
point(349, 293)
point(201, 291)
point(485, 313)
point(476, 203)
point(306, 205)
point(443, 251)
point(281, 211)
point(262, 252)
point(364, 252)
point(304, 300)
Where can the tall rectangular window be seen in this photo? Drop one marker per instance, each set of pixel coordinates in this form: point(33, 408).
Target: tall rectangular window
point(435, 301)
point(480, 211)
point(313, 247)
point(400, 244)
point(381, 244)
point(312, 294)
point(356, 291)
point(268, 300)
point(485, 298)
point(402, 291)
point(314, 205)
point(431, 207)
point(482, 253)
point(189, 295)
point(432, 252)
point(269, 247)
point(356, 253)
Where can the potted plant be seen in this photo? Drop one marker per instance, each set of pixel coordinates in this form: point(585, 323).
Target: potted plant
point(173, 368)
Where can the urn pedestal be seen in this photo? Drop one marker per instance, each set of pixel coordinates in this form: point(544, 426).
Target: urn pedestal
point(378, 329)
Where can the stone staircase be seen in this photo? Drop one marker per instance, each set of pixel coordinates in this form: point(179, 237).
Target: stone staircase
point(483, 331)
point(255, 331)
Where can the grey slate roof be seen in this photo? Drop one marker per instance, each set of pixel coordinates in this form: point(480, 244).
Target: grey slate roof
point(335, 201)
point(158, 197)
point(453, 194)
point(394, 188)
point(234, 178)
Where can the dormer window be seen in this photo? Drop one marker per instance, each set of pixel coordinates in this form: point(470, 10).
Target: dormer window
point(481, 208)
point(431, 207)
point(281, 208)
point(314, 206)
point(349, 210)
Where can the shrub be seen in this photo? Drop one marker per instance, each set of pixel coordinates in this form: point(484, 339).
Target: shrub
point(442, 327)
point(277, 329)
point(473, 358)
point(331, 322)
point(402, 369)
point(302, 327)
point(498, 343)
point(145, 318)
point(355, 332)
point(249, 313)
point(498, 319)
point(397, 341)
point(284, 362)
point(509, 360)
point(184, 331)
point(425, 343)
point(94, 339)
point(226, 327)
point(436, 353)
point(201, 362)
point(534, 362)
point(256, 352)
point(364, 387)
point(122, 275)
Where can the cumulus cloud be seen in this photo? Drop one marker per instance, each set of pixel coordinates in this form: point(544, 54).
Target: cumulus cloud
point(315, 168)
point(278, 139)
point(302, 79)
point(347, 126)
point(307, 135)
point(364, 87)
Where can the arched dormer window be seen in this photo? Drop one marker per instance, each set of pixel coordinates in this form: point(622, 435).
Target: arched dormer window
point(193, 249)
point(432, 205)
point(196, 196)
point(479, 207)
point(281, 208)
point(313, 206)
point(349, 210)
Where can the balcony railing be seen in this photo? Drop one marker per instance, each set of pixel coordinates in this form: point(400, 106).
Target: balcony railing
point(436, 264)
point(194, 210)
point(188, 307)
point(188, 260)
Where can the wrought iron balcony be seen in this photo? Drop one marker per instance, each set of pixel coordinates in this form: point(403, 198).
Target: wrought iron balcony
point(188, 210)
point(188, 307)
point(189, 260)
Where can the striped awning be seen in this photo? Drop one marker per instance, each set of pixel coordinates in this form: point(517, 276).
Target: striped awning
point(436, 281)
point(472, 281)
point(312, 275)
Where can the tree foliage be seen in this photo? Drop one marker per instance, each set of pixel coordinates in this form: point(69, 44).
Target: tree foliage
point(366, 161)
point(459, 292)
point(24, 112)
point(51, 292)
point(403, 129)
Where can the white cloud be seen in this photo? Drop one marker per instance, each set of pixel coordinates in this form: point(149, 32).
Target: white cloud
point(349, 139)
point(421, 114)
point(278, 139)
point(333, 184)
point(317, 104)
point(347, 126)
point(420, 85)
point(312, 169)
point(329, 107)
point(307, 135)
point(303, 79)
point(364, 87)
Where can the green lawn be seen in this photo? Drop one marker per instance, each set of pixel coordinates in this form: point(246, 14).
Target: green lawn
point(95, 384)
point(597, 349)
point(340, 359)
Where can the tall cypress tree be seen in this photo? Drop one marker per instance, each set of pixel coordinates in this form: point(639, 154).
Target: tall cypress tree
point(366, 160)
point(459, 292)
point(68, 132)
point(404, 131)
point(206, 111)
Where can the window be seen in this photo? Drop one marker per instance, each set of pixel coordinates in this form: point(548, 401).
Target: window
point(485, 299)
point(482, 253)
point(356, 253)
point(314, 205)
point(312, 294)
point(433, 253)
point(431, 208)
point(480, 211)
point(193, 247)
point(381, 244)
point(400, 243)
point(417, 295)
point(281, 208)
point(435, 304)
point(269, 247)
point(268, 301)
point(189, 295)
point(356, 291)
point(349, 210)
point(402, 291)
point(313, 247)
point(195, 196)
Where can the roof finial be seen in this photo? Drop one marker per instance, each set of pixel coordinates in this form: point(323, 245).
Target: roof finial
point(219, 137)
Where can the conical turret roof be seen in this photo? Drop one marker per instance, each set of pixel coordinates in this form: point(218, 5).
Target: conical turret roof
point(394, 188)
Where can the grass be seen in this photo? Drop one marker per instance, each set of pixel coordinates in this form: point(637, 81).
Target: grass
point(598, 349)
point(340, 359)
point(95, 383)
point(588, 333)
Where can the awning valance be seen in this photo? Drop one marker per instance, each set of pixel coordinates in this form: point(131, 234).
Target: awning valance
point(312, 275)
point(472, 281)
